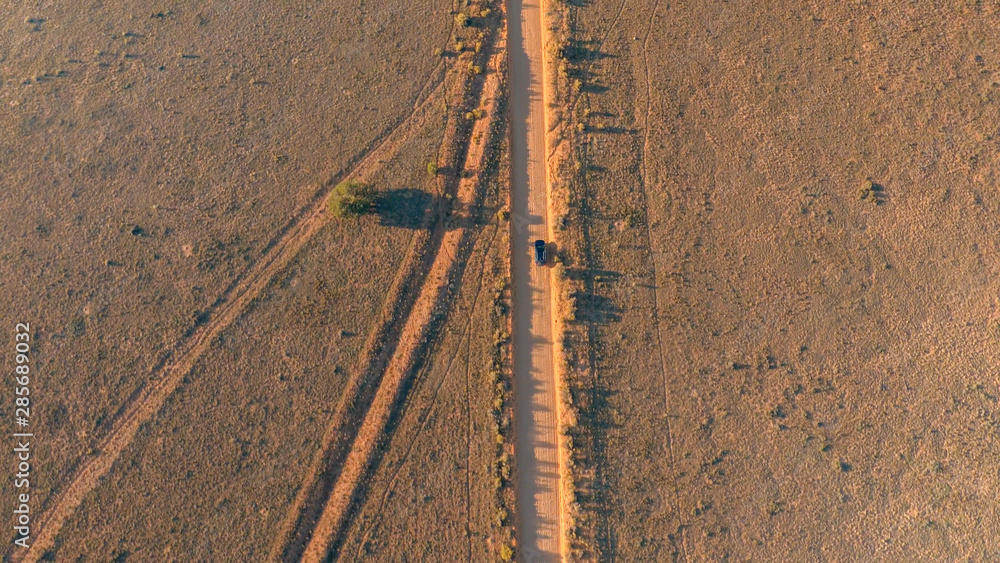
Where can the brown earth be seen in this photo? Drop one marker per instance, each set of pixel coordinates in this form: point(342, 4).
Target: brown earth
point(781, 234)
point(148, 157)
point(273, 417)
point(448, 244)
point(432, 497)
point(456, 383)
point(778, 245)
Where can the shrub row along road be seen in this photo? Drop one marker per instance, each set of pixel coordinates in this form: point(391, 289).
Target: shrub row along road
point(535, 390)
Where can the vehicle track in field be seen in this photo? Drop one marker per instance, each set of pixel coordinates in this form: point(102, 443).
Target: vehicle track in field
point(169, 372)
point(379, 348)
point(322, 522)
point(651, 260)
point(467, 340)
point(337, 437)
point(468, 403)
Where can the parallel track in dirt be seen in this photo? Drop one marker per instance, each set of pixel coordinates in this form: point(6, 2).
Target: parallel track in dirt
point(167, 375)
point(364, 423)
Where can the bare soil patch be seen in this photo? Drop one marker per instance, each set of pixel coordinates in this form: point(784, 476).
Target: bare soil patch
point(154, 158)
point(777, 360)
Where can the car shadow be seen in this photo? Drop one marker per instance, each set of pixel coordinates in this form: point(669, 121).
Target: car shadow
point(550, 254)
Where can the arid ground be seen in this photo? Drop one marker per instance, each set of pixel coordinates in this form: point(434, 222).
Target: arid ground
point(204, 334)
point(782, 234)
point(774, 254)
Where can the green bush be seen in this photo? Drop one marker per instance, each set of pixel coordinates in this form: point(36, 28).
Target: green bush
point(432, 168)
point(351, 197)
point(506, 553)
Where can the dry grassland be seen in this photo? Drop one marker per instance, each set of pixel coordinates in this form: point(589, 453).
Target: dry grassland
point(433, 497)
point(780, 244)
point(230, 449)
point(454, 362)
point(149, 159)
point(219, 472)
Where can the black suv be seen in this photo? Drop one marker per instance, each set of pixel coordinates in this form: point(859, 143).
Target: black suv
point(539, 252)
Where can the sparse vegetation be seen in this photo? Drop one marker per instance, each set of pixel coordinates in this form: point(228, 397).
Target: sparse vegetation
point(351, 198)
point(453, 394)
point(734, 395)
point(230, 179)
point(871, 192)
point(753, 370)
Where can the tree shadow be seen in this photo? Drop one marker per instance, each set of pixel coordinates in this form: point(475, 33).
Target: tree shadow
point(552, 254)
point(612, 130)
point(593, 275)
point(586, 78)
point(591, 308)
point(878, 194)
point(577, 51)
point(592, 88)
point(596, 309)
point(404, 208)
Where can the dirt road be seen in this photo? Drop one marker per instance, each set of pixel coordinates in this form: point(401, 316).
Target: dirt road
point(535, 392)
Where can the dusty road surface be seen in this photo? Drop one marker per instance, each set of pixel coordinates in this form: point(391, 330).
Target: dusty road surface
point(537, 461)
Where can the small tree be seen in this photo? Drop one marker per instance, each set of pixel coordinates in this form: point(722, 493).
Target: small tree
point(351, 197)
point(432, 168)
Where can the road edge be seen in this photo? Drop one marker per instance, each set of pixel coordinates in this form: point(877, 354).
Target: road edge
point(550, 19)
